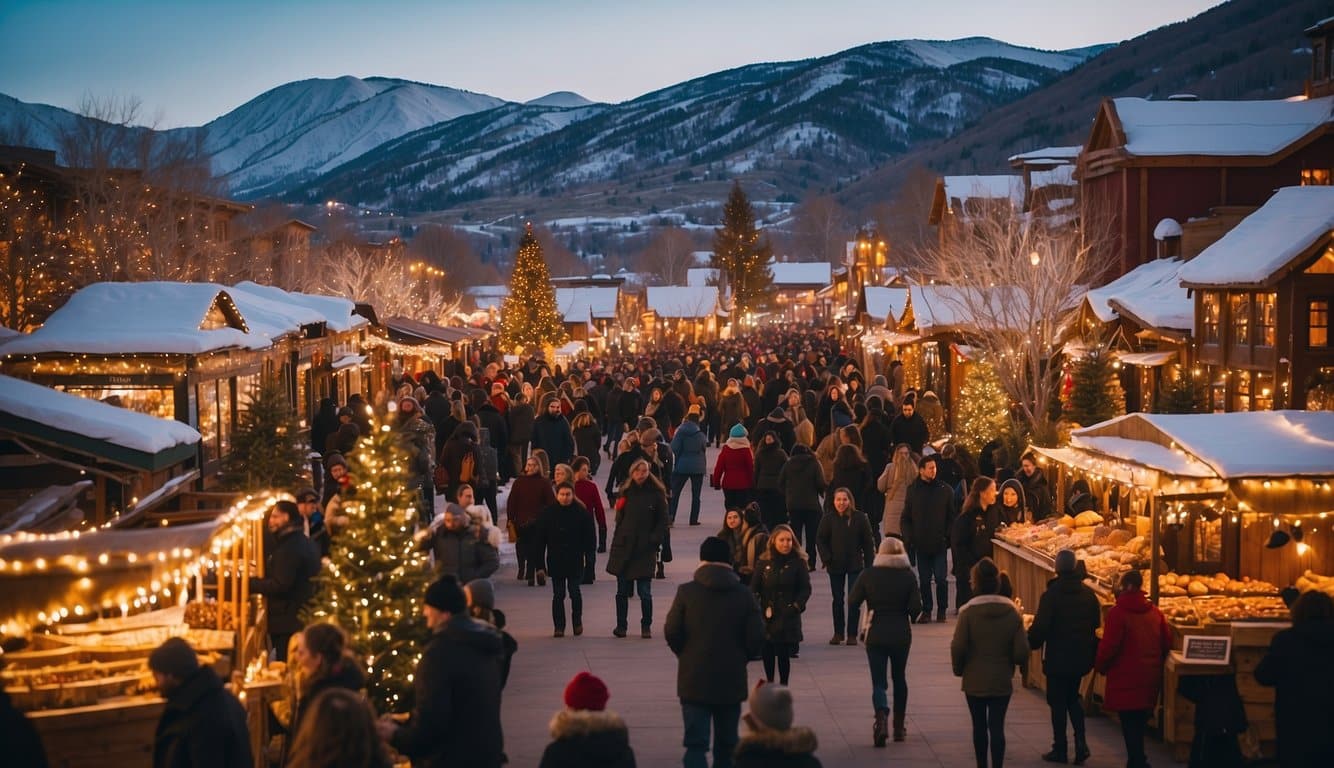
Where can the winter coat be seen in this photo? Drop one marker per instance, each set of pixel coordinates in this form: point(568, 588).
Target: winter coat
point(1135, 643)
point(466, 553)
point(586, 491)
point(854, 477)
point(1066, 625)
point(459, 445)
point(641, 525)
point(1037, 494)
point(754, 540)
point(587, 739)
point(912, 431)
point(688, 446)
point(487, 469)
point(520, 419)
point(456, 716)
point(287, 585)
point(629, 406)
point(491, 419)
point(201, 725)
point(753, 407)
point(418, 438)
point(769, 462)
point(895, 496)
point(552, 434)
point(23, 746)
point(345, 674)
point(825, 453)
point(793, 748)
point(1015, 514)
point(620, 469)
point(588, 443)
point(732, 410)
point(876, 443)
point(889, 588)
point(784, 429)
point(845, 542)
point(928, 512)
point(802, 481)
point(528, 496)
point(714, 628)
point(970, 537)
point(736, 542)
point(566, 539)
point(988, 642)
point(1297, 666)
point(783, 585)
point(734, 469)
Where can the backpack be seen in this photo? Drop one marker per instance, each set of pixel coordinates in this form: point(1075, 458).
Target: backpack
point(468, 466)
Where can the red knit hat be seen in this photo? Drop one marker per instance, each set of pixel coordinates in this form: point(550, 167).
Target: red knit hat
point(586, 691)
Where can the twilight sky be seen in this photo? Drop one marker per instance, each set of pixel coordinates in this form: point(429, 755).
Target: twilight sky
point(189, 62)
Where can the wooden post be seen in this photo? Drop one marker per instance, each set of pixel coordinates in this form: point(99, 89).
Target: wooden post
point(1154, 543)
point(243, 606)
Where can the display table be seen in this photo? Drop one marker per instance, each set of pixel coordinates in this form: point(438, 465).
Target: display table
point(1029, 572)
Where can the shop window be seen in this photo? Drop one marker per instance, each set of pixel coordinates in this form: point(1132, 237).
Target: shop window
point(208, 419)
point(1212, 310)
point(1317, 323)
point(1266, 318)
point(1242, 390)
point(152, 401)
point(1315, 177)
point(1207, 539)
point(1240, 309)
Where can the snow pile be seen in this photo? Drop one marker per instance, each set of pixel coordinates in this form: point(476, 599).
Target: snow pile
point(960, 189)
point(701, 276)
point(1219, 128)
point(90, 418)
point(1263, 243)
point(335, 311)
point(1060, 176)
point(1167, 228)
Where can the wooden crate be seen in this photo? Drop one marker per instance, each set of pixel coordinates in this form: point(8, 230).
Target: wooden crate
point(113, 734)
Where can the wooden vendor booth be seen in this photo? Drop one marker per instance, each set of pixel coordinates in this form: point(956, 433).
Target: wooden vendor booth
point(91, 606)
point(1221, 511)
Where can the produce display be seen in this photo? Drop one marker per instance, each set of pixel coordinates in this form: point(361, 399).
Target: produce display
point(1314, 582)
point(1180, 585)
point(1105, 551)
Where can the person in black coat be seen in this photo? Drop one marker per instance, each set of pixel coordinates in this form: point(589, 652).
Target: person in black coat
point(1066, 625)
point(1037, 493)
point(552, 433)
point(460, 546)
point(802, 482)
point(889, 589)
point(778, 423)
point(847, 546)
point(22, 744)
point(458, 448)
point(585, 734)
point(852, 472)
point(771, 740)
point(783, 585)
point(1297, 667)
point(437, 408)
point(566, 540)
point(491, 419)
point(641, 527)
point(714, 629)
point(455, 718)
point(519, 424)
point(291, 564)
point(971, 534)
point(928, 514)
point(201, 723)
point(909, 427)
point(770, 458)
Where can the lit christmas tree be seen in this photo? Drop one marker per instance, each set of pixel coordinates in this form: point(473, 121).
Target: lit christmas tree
point(983, 410)
point(1096, 394)
point(740, 255)
point(1182, 394)
point(373, 584)
point(265, 452)
point(529, 319)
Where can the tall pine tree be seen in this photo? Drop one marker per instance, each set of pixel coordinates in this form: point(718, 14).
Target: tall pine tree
point(983, 410)
point(373, 584)
point(265, 452)
point(529, 318)
point(1096, 395)
point(741, 256)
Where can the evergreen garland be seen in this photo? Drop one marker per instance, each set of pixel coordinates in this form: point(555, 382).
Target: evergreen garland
point(529, 318)
point(265, 450)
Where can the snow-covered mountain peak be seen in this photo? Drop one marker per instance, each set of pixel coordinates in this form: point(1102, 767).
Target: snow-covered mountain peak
point(947, 53)
point(560, 99)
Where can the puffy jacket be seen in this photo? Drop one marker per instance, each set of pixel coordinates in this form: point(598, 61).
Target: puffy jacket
point(988, 643)
point(928, 511)
point(889, 588)
point(769, 462)
point(912, 431)
point(287, 584)
point(734, 469)
point(792, 748)
point(802, 480)
point(519, 419)
point(1066, 627)
point(641, 525)
point(970, 538)
point(552, 434)
point(1298, 667)
point(846, 543)
point(732, 410)
point(714, 628)
point(783, 585)
point(583, 738)
point(688, 446)
point(777, 423)
point(1134, 645)
point(566, 539)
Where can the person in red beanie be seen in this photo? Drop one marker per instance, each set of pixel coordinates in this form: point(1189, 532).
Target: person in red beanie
point(585, 734)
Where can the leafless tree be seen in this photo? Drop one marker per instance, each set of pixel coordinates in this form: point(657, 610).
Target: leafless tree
point(383, 277)
point(34, 252)
point(904, 219)
point(668, 255)
point(821, 228)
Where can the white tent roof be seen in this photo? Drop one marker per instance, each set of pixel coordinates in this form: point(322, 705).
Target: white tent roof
point(948, 306)
point(97, 420)
point(676, 301)
point(801, 273)
point(1292, 220)
point(580, 304)
point(1152, 292)
point(1219, 128)
point(885, 304)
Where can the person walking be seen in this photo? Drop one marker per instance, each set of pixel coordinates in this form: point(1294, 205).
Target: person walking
point(519, 420)
point(201, 723)
point(802, 482)
point(893, 600)
point(851, 471)
point(909, 427)
point(1297, 667)
point(754, 538)
point(783, 585)
point(893, 482)
point(714, 629)
point(847, 546)
point(564, 542)
point(530, 493)
point(1065, 629)
point(690, 464)
point(291, 565)
point(928, 511)
point(460, 545)
point(587, 437)
point(641, 526)
point(416, 434)
point(734, 469)
point(1135, 643)
point(586, 491)
point(988, 643)
point(769, 460)
point(551, 432)
point(971, 534)
point(771, 741)
point(732, 408)
point(585, 733)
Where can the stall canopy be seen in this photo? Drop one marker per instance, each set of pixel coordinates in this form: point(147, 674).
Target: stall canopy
point(411, 331)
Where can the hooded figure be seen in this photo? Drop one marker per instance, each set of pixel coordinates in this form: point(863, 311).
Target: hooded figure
point(1011, 501)
point(585, 732)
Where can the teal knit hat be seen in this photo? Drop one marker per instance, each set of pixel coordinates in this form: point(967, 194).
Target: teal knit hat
point(737, 431)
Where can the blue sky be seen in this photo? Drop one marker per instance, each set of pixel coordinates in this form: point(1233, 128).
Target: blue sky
point(188, 62)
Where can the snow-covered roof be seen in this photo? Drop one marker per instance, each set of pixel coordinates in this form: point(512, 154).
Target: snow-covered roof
point(698, 276)
point(885, 304)
point(1275, 444)
point(580, 304)
point(91, 418)
point(950, 307)
point(1263, 243)
point(676, 301)
point(1066, 154)
point(1167, 228)
point(1219, 128)
point(1153, 289)
point(335, 311)
point(1060, 176)
point(787, 273)
point(960, 189)
point(702, 258)
point(1144, 452)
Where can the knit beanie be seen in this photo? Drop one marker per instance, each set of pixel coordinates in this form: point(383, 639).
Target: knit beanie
point(715, 550)
point(890, 546)
point(588, 692)
point(1065, 562)
point(174, 657)
point(445, 594)
point(737, 431)
point(482, 594)
point(771, 705)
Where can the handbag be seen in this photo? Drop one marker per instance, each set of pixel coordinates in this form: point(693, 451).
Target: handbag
point(864, 626)
point(440, 477)
point(512, 530)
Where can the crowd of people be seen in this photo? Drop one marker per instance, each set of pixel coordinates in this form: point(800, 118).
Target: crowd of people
point(818, 469)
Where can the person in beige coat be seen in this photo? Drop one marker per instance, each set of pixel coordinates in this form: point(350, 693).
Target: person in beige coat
point(893, 483)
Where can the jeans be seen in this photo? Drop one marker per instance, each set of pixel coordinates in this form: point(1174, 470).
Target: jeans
point(1134, 723)
point(624, 587)
point(678, 485)
point(988, 714)
point(805, 524)
point(559, 586)
point(896, 659)
point(929, 567)
point(837, 583)
point(1063, 698)
point(698, 719)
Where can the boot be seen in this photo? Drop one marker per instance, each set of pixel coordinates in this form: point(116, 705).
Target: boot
point(900, 733)
point(1056, 755)
point(660, 574)
point(880, 730)
point(1081, 750)
point(602, 540)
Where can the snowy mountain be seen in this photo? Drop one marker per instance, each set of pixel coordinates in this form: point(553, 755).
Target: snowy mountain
point(560, 99)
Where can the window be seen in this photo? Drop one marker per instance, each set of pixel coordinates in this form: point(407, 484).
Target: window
point(1265, 319)
point(1315, 177)
point(1317, 323)
point(1240, 309)
point(1211, 312)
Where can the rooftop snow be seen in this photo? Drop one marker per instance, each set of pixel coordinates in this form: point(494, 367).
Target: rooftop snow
point(675, 301)
point(885, 304)
point(1289, 223)
point(578, 305)
point(1146, 453)
point(960, 189)
point(1134, 285)
point(97, 420)
point(1060, 176)
point(700, 276)
point(1221, 128)
point(801, 273)
point(946, 306)
point(1067, 154)
point(335, 311)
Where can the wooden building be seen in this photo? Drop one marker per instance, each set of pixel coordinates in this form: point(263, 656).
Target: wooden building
point(797, 286)
point(674, 314)
point(958, 198)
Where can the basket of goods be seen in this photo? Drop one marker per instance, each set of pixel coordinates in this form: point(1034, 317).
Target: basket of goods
point(1223, 610)
point(204, 615)
point(1314, 582)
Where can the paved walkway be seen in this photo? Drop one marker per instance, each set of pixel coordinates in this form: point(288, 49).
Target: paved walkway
point(831, 684)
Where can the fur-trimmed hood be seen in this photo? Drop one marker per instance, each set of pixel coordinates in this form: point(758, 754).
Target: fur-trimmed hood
point(577, 723)
point(796, 740)
point(891, 561)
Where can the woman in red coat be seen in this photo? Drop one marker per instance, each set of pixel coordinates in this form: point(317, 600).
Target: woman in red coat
point(1135, 643)
point(734, 470)
point(529, 494)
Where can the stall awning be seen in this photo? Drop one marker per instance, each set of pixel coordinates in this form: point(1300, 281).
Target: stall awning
point(1147, 359)
point(347, 361)
point(409, 330)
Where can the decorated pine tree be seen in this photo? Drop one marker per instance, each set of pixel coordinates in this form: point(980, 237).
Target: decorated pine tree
point(266, 452)
point(983, 410)
point(373, 584)
point(1096, 394)
point(741, 255)
point(1182, 394)
point(529, 318)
